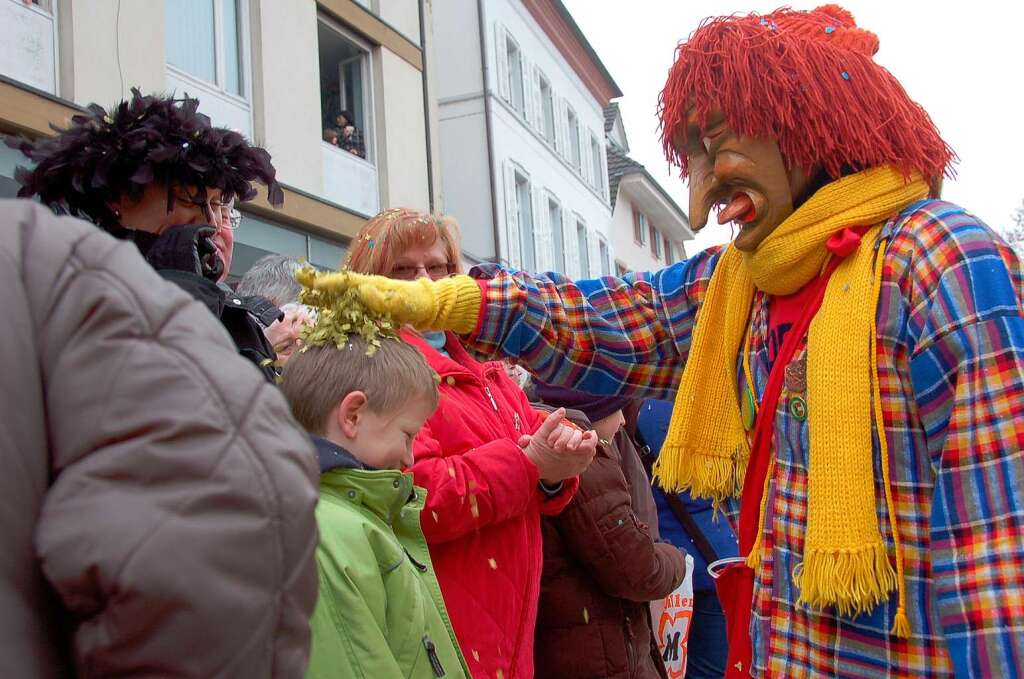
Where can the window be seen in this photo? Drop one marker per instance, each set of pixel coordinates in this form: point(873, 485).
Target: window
point(345, 88)
point(524, 214)
point(655, 241)
point(583, 247)
point(606, 260)
point(575, 156)
point(547, 109)
point(204, 40)
point(639, 227)
point(557, 233)
point(29, 44)
point(598, 178)
point(668, 251)
point(257, 237)
point(515, 75)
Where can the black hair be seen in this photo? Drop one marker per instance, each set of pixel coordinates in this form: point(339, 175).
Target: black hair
point(348, 116)
point(103, 157)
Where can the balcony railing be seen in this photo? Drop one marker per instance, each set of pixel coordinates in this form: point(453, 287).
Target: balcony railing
point(349, 181)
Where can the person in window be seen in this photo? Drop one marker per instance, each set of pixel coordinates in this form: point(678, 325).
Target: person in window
point(488, 478)
point(350, 139)
point(155, 171)
point(331, 136)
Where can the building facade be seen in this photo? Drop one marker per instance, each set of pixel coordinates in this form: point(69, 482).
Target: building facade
point(648, 229)
point(279, 72)
point(521, 95)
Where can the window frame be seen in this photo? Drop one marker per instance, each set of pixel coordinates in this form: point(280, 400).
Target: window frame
point(547, 105)
point(640, 225)
point(583, 235)
point(605, 254)
point(655, 241)
point(511, 44)
point(369, 98)
point(526, 243)
point(575, 150)
point(558, 239)
point(245, 58)
point(667, 246)
point(597, 158)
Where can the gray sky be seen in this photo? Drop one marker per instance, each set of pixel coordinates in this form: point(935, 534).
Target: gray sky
point(962, 61)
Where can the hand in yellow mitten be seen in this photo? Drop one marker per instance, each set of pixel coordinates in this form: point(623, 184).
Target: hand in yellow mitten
point(448, 304)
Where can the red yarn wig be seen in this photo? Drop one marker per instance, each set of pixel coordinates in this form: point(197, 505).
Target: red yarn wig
point(806, 79)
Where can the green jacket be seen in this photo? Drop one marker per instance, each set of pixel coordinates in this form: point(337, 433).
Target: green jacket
point(379, 613)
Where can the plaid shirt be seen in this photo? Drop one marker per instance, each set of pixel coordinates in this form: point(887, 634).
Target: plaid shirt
point(951, 370)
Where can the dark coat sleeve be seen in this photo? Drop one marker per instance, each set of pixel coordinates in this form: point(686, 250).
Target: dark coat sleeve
point(602, 533)
point(178, 531)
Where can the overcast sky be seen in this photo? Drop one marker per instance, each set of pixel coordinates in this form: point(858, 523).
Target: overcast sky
point(962, 61)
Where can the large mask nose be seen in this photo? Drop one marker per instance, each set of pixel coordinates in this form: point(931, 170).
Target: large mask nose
point(702, 189)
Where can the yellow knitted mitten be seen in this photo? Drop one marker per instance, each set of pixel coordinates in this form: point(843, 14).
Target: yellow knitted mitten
point(448, 304)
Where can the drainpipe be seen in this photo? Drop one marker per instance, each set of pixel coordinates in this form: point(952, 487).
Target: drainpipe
point(482, 27)
point(426, 109)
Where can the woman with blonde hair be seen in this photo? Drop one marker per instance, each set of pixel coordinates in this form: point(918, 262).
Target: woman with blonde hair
point(490, 463)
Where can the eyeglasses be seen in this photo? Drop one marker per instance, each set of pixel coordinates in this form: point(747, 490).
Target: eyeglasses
point(409, 272)
point(211, 207)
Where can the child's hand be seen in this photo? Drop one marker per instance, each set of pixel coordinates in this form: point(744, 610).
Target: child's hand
point(559, 448)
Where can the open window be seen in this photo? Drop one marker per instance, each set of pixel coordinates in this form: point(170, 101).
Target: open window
point(655, 242)
point(639, 227)
point(347, 119)
point(345, 89)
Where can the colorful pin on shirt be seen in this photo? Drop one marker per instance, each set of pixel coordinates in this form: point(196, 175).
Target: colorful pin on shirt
point(796, 375)
point(798, 408)
point(748, 408)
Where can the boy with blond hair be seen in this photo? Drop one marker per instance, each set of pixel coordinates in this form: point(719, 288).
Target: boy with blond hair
point(380, 611)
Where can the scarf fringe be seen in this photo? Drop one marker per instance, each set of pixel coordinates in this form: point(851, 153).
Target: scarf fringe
point(853, 581)
point(709, 477)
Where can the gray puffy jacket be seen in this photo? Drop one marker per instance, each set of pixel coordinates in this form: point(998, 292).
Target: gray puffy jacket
point(156, 496)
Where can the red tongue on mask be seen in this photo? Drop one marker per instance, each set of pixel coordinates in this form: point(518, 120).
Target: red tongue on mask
point(739, 207)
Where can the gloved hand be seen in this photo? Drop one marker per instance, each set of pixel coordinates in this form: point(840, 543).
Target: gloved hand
point(451, 303)
point(186, 248)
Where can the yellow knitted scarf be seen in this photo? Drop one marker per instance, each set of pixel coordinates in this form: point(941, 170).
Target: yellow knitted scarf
point(706, 450)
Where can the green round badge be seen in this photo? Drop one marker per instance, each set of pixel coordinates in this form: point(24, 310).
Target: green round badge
point(798, 408)
point(748, 408)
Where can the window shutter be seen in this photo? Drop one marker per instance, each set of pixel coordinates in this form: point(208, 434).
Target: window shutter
point(586, 157)
point(638, 233)
point(563, 128)
point(511, 216)
point(572, 254)
point(532, 86)
point(501, 60)
point(541, 230)
point(594, 243)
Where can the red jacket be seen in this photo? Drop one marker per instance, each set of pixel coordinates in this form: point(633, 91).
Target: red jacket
point(483, 507)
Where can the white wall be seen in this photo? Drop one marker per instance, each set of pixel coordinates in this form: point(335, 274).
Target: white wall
point(459, 91)
point(403, 157)
point(286, 90)
point(516, 140)
point(634, 256)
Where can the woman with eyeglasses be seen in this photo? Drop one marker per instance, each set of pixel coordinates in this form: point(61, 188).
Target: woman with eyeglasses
point(488, 476)
point(155, 171)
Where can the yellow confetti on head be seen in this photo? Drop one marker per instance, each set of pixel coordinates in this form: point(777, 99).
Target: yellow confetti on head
point(340, 314)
